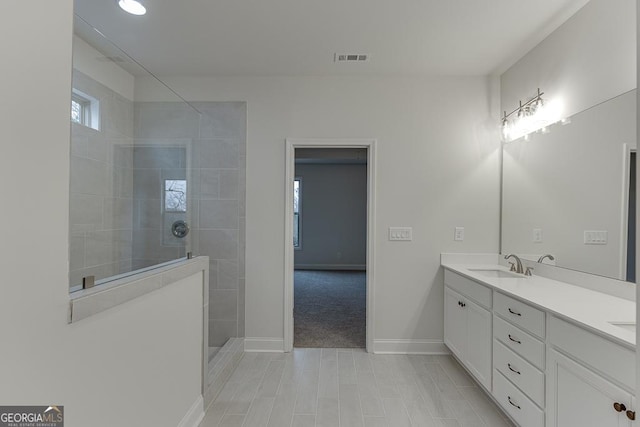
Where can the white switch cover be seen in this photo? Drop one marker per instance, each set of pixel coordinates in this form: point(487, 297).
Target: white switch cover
point(459, 234)
point(537, 235)
point(595, 237)
point(400, 233)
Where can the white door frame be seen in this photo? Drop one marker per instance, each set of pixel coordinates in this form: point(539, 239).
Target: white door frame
point(291, 145)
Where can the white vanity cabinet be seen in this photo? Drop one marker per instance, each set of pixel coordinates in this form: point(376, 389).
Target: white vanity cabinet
point(467, 324)
point(518, 359)
point(589, 379)
point(544, 358)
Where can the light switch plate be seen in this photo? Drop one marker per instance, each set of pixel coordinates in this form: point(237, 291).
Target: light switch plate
point(595, 237)
point(537, 235)
point(459, 234)
point(400, 233)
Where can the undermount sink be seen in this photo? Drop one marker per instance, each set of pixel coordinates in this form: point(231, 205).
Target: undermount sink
point(496, 273)
point(629, 326)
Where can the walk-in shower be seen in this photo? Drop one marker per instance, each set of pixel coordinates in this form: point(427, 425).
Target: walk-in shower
point(154, 179)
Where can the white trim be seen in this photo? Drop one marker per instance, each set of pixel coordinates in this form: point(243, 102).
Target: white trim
point(264, 345)
point(195, 415)
point(88, 302)
point(360, 267)
point(410, 347)
point(290, 145)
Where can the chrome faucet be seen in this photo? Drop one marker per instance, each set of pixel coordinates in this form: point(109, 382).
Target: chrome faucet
point(518, 266)
point(551, 258)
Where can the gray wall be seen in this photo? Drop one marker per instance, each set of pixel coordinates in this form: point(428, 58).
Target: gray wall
point(214, 155)
point(219, 162)
point(153, 242)
point(117, 220)
point(334, 216)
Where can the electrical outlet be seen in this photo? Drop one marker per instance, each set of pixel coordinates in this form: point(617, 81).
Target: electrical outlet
point(459, 234)
point(400, 233)
point(537, 235)
point(595, 237)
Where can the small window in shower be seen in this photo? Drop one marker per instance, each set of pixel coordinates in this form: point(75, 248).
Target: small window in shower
point(85, 110)
point(175, 195)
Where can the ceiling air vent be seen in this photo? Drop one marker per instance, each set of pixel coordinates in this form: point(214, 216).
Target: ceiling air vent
point(350, 57)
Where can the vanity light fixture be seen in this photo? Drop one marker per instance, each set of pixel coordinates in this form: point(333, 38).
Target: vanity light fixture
point(531, 116)
point(134, 7)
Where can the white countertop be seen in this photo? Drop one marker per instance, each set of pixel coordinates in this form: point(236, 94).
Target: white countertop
point(589, 308)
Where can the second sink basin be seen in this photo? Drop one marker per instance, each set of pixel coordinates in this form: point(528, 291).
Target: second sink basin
point(497, 273)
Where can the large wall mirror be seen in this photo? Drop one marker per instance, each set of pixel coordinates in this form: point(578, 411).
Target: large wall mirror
point(570, 193)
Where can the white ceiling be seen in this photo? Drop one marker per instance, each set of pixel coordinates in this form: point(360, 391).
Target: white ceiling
point(300, 37)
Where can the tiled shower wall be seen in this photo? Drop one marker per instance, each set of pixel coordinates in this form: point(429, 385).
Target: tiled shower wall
point(101, 199)
point(116, 219)
point(216, 162)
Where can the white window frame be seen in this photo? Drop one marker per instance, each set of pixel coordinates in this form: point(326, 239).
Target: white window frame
point(299, 246)
point(89, 109)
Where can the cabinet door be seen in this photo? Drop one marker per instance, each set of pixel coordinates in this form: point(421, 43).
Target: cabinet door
point(455, 323)
point(576, 396)
point(478, 341)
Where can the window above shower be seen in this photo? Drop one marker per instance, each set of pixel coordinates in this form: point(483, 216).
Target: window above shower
point(85, 110)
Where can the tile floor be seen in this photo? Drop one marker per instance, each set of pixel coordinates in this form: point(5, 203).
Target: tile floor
point(341, 388)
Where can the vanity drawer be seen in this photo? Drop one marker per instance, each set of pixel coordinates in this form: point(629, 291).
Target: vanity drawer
point(519, 406)
point(519, 313)
point(519, 341)
point(611, 359)
point(474, 290)
point(520, 372)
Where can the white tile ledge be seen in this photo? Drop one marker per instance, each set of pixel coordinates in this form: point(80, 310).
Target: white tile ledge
point(88, 302)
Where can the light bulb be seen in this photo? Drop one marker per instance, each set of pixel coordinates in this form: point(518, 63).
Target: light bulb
point(133, 7)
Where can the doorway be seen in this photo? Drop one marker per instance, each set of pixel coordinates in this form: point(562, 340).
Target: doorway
point(330, 247)
point(328, 273)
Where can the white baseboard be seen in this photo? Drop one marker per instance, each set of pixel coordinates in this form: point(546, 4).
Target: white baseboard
point(409, 347)
point(361, 267)
point(268, 345)
point(195, 415)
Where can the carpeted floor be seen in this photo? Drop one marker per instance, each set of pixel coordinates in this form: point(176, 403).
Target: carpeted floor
point(329, 309)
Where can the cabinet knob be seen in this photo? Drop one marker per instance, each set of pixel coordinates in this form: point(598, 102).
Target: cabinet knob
point(619, 407)
point(631, 415)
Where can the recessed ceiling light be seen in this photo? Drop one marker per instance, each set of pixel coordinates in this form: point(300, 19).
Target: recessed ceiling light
point(133, 7)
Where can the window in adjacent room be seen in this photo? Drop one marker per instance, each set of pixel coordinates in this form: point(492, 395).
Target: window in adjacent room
point(297, 204)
